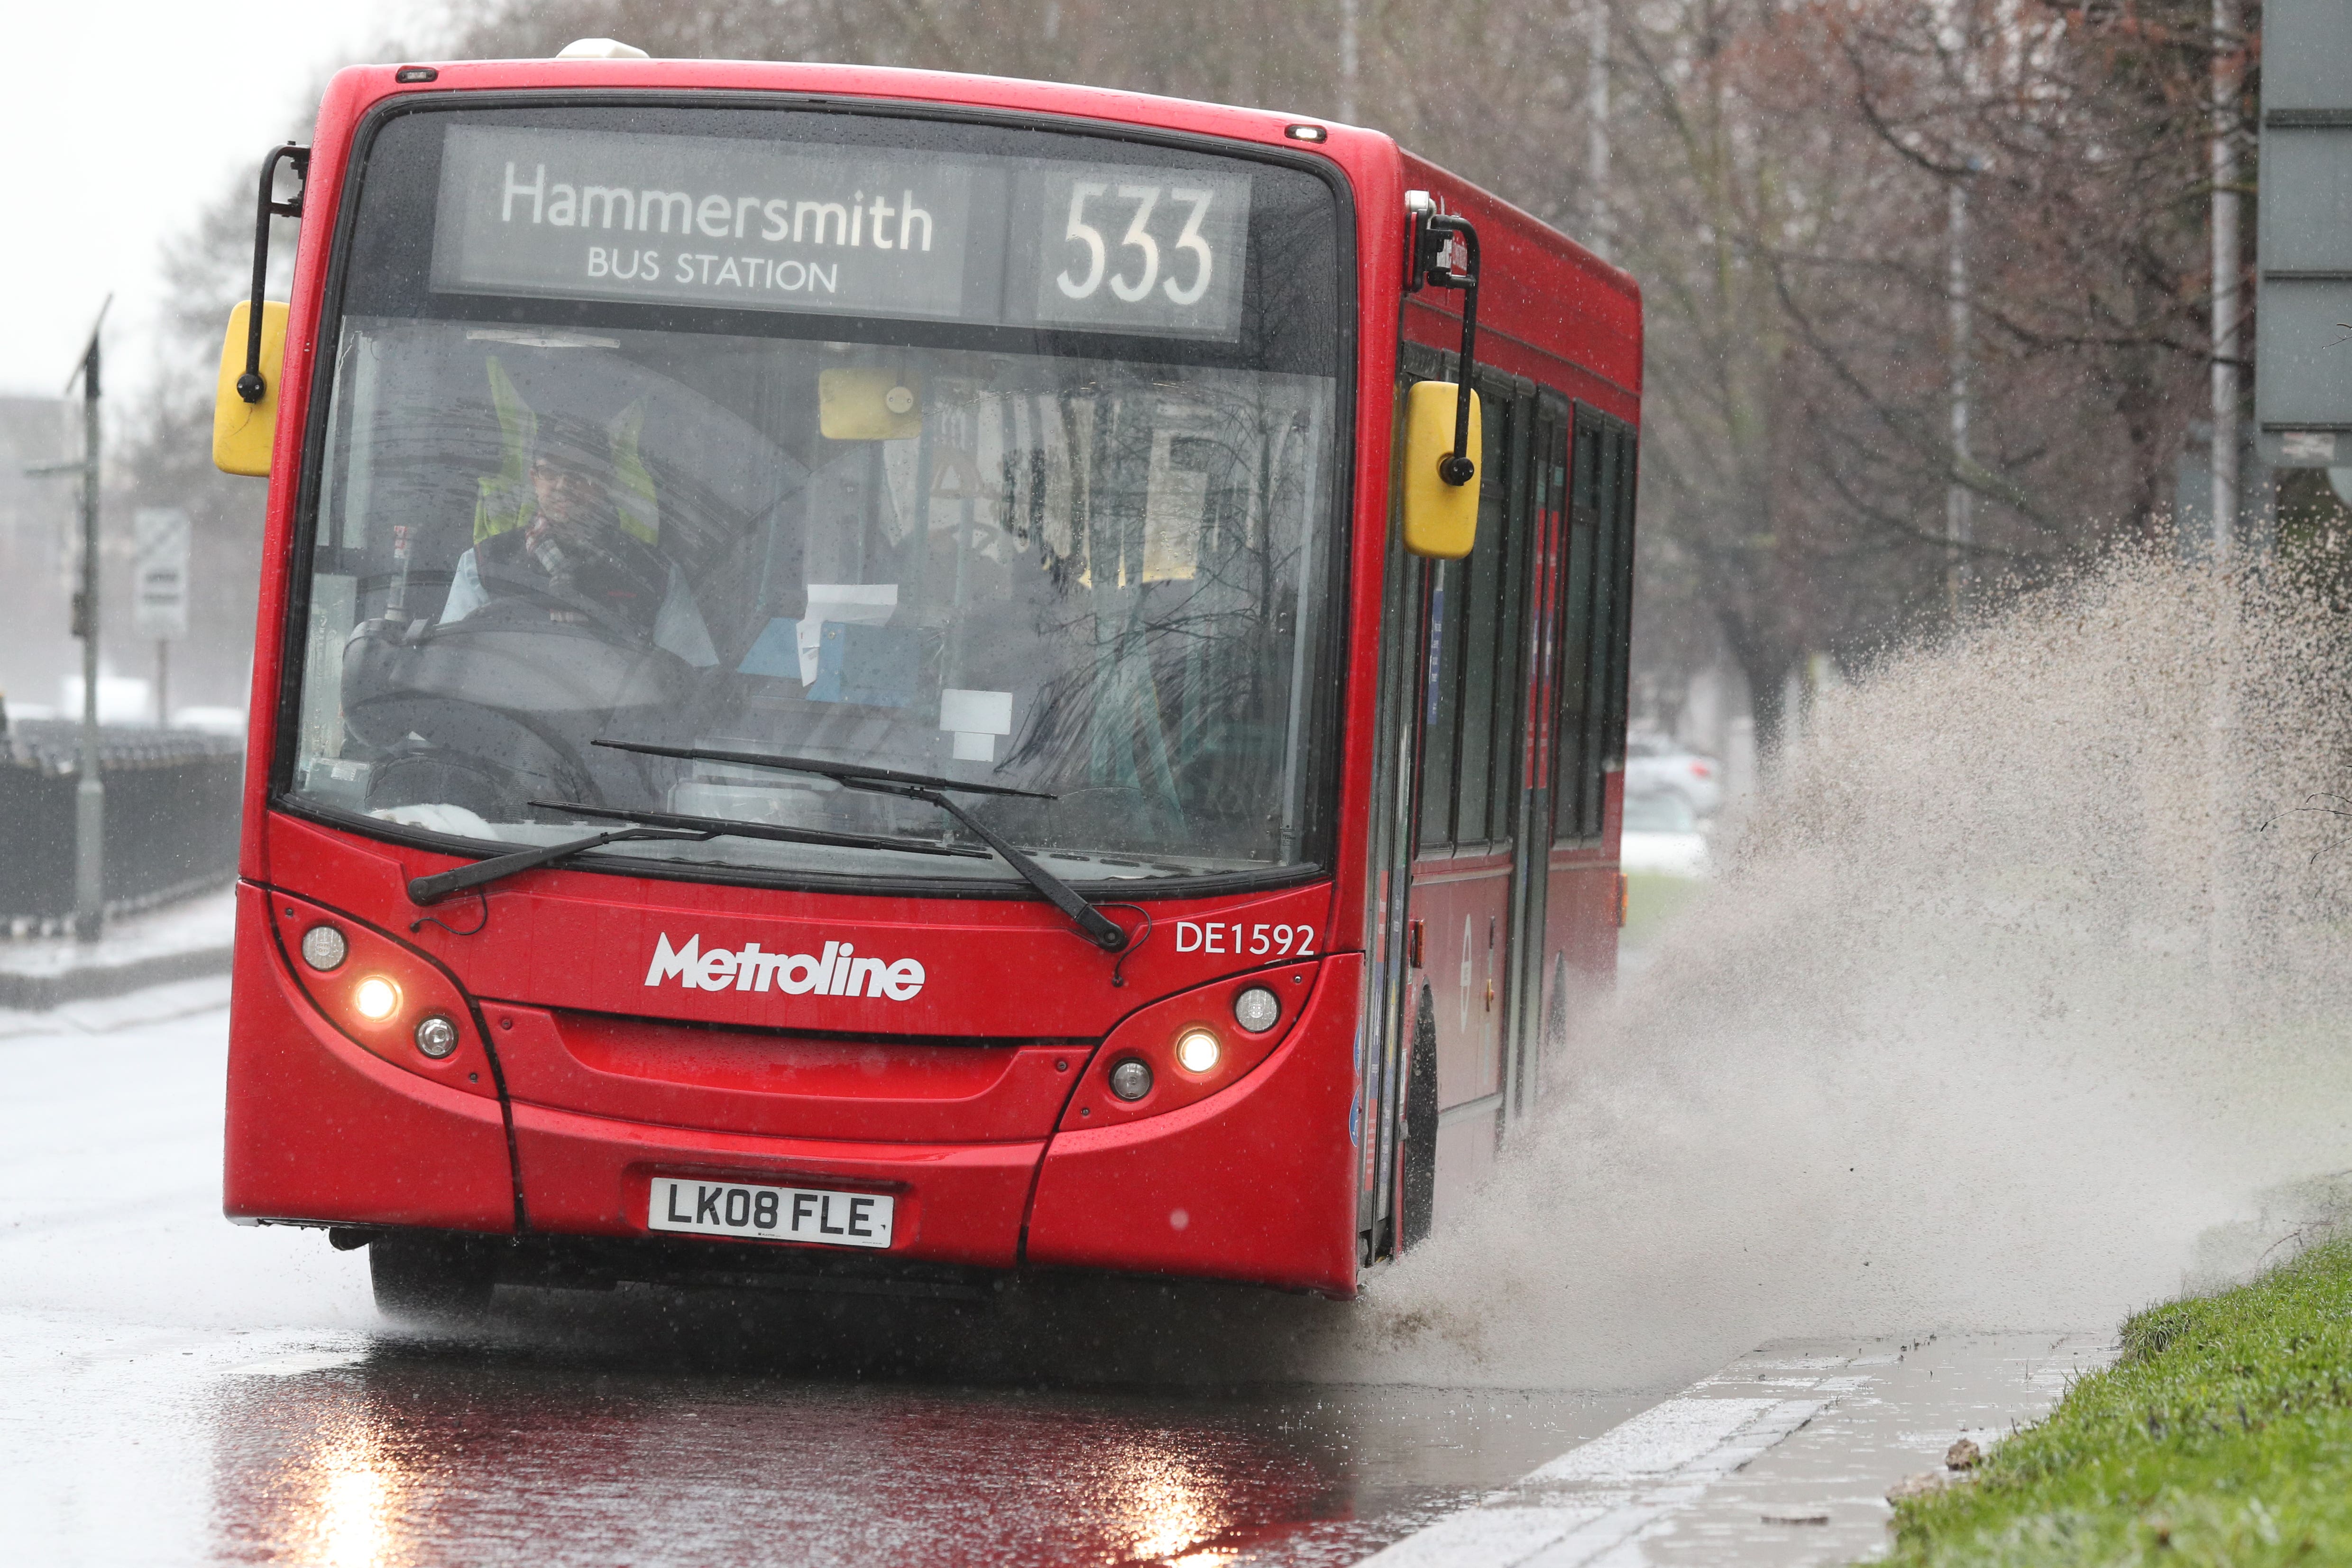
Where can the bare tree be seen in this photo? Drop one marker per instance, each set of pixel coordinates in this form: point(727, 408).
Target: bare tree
point(1782, 179)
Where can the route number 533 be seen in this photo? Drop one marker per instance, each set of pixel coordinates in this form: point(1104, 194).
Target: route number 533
point(1181, 272)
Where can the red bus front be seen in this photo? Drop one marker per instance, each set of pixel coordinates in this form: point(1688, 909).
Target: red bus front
point(920, 535)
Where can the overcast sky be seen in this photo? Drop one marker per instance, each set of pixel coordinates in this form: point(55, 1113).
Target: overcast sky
point(126, 117)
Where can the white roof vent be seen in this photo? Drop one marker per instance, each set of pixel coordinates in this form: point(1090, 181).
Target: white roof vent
point(601, 50)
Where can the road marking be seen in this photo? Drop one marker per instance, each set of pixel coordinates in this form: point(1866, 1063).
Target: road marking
point(1585, 1506)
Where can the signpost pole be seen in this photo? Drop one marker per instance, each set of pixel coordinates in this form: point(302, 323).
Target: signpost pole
point(90, 790)
point(1596, 132)
point(2225, 279)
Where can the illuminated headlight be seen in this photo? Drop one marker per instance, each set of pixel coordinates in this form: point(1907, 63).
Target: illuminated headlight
point(1197, 1050)
point(436, 1037)
point(1258, 1010)
point(1130, 1080)
point(375, 998)
point(324, 947)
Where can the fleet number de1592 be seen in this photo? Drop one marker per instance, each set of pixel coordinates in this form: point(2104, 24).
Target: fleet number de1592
point(1232, 937)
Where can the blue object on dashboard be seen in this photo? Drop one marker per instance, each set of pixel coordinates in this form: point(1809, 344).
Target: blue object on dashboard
point(871, 665)
point(775, 653)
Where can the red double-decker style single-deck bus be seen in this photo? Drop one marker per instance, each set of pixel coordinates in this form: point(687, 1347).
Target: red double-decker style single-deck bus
point(878, 676)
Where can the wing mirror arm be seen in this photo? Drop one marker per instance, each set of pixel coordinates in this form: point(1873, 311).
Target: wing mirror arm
point(250, 386)
point(1432, 236)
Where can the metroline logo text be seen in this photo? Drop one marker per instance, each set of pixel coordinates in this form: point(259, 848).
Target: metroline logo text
point(836, 972)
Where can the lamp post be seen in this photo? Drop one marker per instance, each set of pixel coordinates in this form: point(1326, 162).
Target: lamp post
point(2225, 459)
point(1348, 59)
point(89, 789)
point(1960, 501)
point(1596, 131)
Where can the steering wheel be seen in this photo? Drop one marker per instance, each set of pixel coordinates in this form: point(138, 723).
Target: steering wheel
point(507, 611)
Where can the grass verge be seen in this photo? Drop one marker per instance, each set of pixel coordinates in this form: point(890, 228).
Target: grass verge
point(2221, 1435)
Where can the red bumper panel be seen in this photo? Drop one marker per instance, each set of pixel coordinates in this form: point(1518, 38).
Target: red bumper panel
point(741, 1080)
point(320, 1129)
point(1254, 1183)
point(593, 1175)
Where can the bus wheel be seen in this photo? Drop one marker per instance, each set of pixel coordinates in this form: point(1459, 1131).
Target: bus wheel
point(1421, 1123)
point(419, 1277)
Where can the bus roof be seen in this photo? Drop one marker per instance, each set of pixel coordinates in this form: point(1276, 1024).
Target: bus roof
point(1567, 306)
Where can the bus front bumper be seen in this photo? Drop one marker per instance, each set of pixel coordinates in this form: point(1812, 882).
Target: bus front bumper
point(1254, 1184)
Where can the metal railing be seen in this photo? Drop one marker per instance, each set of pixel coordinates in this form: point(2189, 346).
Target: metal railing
point(172, 799)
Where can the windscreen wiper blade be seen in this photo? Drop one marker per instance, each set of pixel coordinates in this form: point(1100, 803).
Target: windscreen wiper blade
point(841, 772)
point(1100, 928)
point(730, 827)
point(427, 890)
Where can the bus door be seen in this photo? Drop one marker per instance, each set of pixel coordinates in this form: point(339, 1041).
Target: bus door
point(1382, 1040)
point(1460, 862)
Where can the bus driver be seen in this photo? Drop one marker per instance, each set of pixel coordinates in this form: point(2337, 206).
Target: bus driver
point(577, 558)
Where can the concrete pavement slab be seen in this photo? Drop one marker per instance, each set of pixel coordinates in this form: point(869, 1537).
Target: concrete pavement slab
point(179, 941)
point(1782, 1458)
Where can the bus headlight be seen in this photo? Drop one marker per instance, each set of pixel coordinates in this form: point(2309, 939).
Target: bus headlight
point(375, 998)
point(1197, 1050)
point(1258, 1010)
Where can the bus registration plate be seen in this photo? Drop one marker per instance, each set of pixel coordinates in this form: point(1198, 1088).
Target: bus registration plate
point(770, 1213)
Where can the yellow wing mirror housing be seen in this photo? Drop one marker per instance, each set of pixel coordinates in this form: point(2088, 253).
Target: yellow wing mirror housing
point(856, 403)
point(243, 432)
point(1440, 517)
point(253, 356)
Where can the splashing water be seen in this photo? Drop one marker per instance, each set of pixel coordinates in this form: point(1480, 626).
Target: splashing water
point(2033, 964)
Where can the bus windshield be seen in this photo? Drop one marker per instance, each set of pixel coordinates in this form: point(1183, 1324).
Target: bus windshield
point(995, 454)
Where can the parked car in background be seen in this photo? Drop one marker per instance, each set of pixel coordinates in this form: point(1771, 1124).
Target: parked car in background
point(1662, 836)
point(1665, 857)
point(1653, 763)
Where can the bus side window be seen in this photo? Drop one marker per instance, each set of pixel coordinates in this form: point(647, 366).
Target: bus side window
point(1600, 666)
point(1576, 631)
point(1599, 620)
point(1522, 537)
point(1441, 703)
point(1621, 629)
point(1480, 689)
point(1544, 555)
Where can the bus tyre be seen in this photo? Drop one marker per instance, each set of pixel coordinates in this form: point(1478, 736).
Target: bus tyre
point(420, 1278)
point(1421, 1123)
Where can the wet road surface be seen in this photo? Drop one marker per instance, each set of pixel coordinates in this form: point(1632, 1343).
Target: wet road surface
point(174, 1389)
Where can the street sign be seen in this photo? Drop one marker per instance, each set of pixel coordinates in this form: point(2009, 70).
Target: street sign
point(159, 583)
point(2303, 310)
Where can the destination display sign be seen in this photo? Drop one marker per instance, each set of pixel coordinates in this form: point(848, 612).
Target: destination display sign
point(840, 230)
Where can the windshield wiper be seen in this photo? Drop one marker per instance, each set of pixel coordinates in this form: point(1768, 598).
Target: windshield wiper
point(426, 890)
point(1100, 928)
point(714, 827)
point(841, 772)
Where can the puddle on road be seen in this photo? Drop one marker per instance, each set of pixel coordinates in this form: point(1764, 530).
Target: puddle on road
point(570, 1448)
